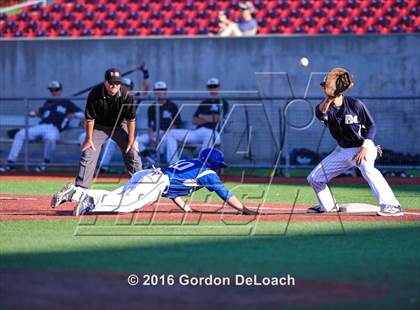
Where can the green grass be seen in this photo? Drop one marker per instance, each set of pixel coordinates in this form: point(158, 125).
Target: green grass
point(408, 195)
point(308, 250)
point(375, 255)
point(382, 255)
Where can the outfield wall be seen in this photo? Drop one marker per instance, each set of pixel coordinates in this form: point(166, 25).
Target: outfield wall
point(381, 66)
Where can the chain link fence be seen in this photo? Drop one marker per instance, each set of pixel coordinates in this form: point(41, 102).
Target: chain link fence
point(256, 132)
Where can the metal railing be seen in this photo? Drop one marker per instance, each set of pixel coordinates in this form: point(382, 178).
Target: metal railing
point(257, 131)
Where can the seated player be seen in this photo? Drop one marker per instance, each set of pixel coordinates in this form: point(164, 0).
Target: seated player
point(55, 115)
point(207, 119)
point(169, 119)
point(353, 128)
point(147, 186)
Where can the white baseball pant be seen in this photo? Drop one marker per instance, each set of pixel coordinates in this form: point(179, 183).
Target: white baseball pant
point(205, 136)
point(48, 132)
point(144, 140)
point(339, 161)
point(145, 187)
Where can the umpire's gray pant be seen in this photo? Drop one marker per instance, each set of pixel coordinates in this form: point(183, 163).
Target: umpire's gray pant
point(89, 157)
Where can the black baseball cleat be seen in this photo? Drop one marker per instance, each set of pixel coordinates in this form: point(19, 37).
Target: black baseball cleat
point(246, 211)
point(7, 169)
point(63, 195)
point(41, 168)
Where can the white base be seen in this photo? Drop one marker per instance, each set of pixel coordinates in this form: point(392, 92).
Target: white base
point(358, 207)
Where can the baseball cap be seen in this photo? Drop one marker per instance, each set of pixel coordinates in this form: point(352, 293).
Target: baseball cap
point(160, 85)
point(247, 6)
point(213, 157)
point(53, 85)
point(112, 75)
point(213, 82)
point(127, 82)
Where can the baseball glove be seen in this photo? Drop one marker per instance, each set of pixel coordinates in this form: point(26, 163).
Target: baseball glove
point(336, 82)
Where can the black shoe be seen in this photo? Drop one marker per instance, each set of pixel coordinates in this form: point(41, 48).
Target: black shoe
point(41, 168)
point(104, 170)
point(8, 168)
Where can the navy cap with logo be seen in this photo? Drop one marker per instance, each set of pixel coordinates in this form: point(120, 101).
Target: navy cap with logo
point(160, 85)
point(54, 85)
point(213, 82)
point(112, 75)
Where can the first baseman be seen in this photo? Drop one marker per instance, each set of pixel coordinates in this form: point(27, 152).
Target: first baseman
point(147, 186)
point(354, 129)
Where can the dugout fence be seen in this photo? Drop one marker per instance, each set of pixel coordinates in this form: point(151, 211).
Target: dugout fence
point(270, 132)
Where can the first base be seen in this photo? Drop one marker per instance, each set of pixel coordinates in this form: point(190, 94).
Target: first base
point(358, 208)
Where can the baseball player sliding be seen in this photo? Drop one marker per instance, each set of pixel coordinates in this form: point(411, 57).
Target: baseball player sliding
point(351, 125)
point(147, 186)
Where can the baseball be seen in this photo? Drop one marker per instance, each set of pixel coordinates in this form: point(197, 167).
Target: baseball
point(304, 62)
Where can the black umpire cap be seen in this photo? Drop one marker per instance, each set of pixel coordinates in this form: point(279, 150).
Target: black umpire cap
point(113, 75)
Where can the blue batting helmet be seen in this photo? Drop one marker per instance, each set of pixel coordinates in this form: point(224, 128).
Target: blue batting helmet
point(213, 157)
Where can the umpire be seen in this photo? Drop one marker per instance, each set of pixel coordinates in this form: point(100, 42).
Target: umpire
point(110, 113)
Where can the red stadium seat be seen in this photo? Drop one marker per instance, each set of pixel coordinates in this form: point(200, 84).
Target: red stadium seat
point(199, 17)
point(191, 31)
point(157, 23)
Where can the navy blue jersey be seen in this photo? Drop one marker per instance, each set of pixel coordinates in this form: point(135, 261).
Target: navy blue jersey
point(168, 116)
point(350, 124)
point(211, 106)
point(55, 111)
point(187, 176)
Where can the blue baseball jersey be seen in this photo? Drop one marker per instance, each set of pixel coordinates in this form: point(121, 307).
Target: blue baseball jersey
point(186, 176)
point(55, 112)
point(350, 124)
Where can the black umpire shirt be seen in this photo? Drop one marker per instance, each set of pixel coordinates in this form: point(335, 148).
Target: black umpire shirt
point(109, 111)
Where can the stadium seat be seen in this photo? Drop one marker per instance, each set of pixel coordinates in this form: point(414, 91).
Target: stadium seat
point(347, 29)
point(201, 17)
